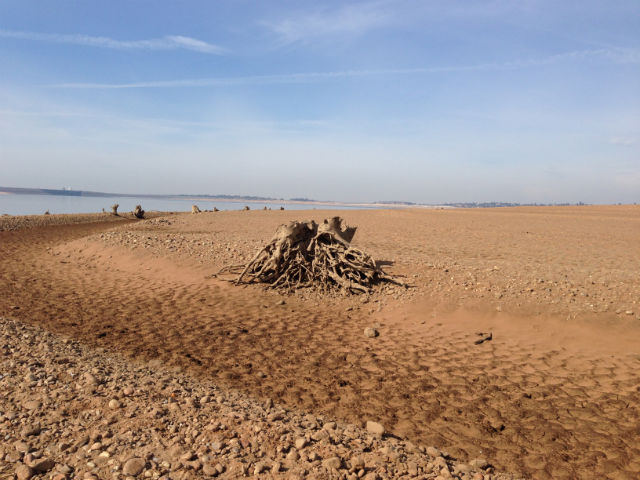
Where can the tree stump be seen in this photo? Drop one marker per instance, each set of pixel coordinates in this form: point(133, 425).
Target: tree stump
point(138, 212)
point(195, 209)
point(114, 209)
point(305, 254)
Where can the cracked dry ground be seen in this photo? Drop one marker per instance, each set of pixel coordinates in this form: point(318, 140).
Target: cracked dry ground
point(554, 394)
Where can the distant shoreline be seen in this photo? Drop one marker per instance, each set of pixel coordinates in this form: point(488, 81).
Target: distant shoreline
point(203, 198)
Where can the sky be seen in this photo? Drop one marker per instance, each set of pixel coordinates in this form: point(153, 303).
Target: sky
point(428, 101)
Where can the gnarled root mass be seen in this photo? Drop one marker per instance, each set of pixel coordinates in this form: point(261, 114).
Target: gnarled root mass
point(305, 254)
point(138, 212)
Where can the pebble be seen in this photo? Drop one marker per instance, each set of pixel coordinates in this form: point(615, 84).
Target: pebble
point(375, 428)
point(32, 405)
point(301, 443)
point(433, 452)
point(43, 465)
point(333, 463)
point(90, 379)
point(134, 466)
point(259, 468)
point(23, 472)
point(370, 332)
point(480, 463)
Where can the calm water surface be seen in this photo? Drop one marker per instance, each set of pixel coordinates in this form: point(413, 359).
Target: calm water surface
point(37, 204)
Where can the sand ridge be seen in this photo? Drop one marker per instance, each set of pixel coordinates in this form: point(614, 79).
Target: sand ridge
point(536, 399)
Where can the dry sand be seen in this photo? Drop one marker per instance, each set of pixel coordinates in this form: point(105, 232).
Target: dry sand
point(554, 394)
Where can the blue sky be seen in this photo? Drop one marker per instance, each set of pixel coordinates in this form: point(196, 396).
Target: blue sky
point(424, 101)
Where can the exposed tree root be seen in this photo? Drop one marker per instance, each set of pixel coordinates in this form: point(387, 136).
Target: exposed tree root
point(305, 254)
point(138, 212)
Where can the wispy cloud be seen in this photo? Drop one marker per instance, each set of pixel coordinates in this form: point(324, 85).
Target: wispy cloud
point(169, 42)
point(348, 20)
point(623, 141)
point(617, 55)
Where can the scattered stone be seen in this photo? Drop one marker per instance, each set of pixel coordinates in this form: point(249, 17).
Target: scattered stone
point(480, 463)
point(32, 405)
point(375, 428)
point(23, 472)
point(114, 404)
point(43, 465)
point(433, 452)
point(370, 332)
point(333, 463)
point(134, 466)
point(31, 430)
point(301, 443)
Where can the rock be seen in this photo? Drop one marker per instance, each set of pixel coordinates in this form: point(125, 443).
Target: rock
point(301, 443)
point(23, 472)
point(185, 457)
point(293, 455)
point(433, 452)
point(90, 379)
point(43, 465)
point(329, 426)
point(370, 332)
point(22, 447)
point(375, 428)
point(275, 468)
point(127, 391)
point(31, 430)
point(357, 462)
point(32, 405)
point(333, 463)
point(259, 468)
point(114, 404)
point(134, 466)
point(209, 470)
point(480, 463)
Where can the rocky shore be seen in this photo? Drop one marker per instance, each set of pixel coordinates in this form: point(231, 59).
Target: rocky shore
point(72, 412)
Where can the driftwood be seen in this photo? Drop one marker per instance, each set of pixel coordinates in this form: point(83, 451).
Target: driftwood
point(215, 209)
point(195, 209)
point(138, 212)
point(246, 207)
point(114, 209)
point(305, 254)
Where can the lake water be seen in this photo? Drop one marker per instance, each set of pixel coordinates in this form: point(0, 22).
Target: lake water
point(37, 204)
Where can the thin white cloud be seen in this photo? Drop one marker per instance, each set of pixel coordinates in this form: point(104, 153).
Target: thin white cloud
point(615, 55)
point(623, 141)
point(170, 42)
point(348, 20)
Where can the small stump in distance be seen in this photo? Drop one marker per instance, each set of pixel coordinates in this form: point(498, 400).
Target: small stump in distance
point(138, 212)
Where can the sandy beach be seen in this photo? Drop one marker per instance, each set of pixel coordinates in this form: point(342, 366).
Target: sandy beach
point(551, 391)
